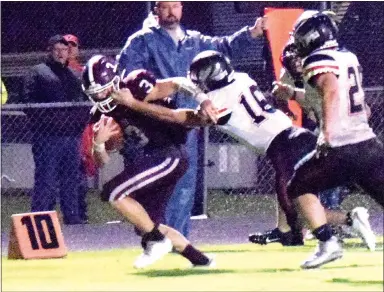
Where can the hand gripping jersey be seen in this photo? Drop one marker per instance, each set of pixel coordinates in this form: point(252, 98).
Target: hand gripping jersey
point(350, 112)
point(142, 133)
point(252, 120)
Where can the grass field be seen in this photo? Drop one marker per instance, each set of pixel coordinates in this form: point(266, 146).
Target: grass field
point(241, 267)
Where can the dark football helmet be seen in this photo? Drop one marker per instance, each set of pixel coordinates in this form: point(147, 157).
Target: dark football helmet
point(292, 62)
point(290, 59)
point(314, 33)
point(100, 74)
point(211, 70)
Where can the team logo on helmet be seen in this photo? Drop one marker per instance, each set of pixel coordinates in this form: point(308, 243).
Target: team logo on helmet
point(100, 74)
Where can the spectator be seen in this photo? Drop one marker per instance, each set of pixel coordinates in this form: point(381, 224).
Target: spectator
point(73, 54)
point(75, 65)
point(167, 49)
point(55, 146)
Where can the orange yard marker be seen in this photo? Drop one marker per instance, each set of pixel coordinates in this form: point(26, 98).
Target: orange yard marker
point(280, 23)
point(36, 235)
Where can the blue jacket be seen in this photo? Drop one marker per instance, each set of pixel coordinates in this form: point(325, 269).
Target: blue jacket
point(154, 50)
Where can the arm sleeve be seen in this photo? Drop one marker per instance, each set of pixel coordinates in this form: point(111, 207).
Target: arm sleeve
point(234, 44)
point(133, 56)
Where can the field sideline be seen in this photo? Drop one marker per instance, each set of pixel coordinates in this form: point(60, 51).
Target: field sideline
point(101, 255)
point(240, 267)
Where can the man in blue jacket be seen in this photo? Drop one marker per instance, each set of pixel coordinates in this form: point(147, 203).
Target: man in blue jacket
point(166, 49)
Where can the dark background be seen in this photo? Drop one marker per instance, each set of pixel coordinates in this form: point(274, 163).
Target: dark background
point(26, 27)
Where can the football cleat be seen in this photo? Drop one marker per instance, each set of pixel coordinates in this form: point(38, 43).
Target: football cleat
point(275, 235)
point(325, 252)
point(210, 265)
point(361, 225)
point(153, 251)
point(269, 236)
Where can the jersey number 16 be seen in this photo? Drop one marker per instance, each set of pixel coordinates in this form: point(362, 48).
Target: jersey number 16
point(260, 100)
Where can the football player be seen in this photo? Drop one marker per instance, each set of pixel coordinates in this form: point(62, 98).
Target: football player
point(245, 114)
point(347, 148)
point(140, 192)
point(291, 85)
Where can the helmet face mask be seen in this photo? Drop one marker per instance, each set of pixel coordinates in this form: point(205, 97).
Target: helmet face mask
point(211, 70)
point(315, 33)
point(291, 60)
point(99, 80)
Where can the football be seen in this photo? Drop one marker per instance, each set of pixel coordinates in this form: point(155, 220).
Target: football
point(116, 142)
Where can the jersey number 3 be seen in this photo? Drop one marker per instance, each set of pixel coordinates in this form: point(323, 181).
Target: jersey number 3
point(355, 91)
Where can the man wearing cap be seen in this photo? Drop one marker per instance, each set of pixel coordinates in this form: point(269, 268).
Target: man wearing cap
point(55, 145)
point(73, 54)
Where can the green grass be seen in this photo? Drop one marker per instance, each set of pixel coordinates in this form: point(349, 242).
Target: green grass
point(244, 267)
point(220, 204)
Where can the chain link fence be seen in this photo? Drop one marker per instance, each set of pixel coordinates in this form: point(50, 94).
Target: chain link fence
point(49, 134)
point(230, 167)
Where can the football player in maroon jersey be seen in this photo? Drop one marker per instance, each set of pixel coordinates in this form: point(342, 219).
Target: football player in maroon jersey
point(141, 191)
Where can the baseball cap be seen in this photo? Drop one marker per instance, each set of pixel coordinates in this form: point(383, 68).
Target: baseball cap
point(70, 38)
point(57, 39)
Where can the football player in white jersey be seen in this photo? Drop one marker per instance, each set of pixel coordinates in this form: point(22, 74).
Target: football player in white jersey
point(292, 84)
point(347, 149)
point(245, 114)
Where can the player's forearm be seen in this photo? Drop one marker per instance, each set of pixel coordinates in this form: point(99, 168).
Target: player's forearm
point(191, 118)
point(154, 111)
point(288, 92)
point(164, 88)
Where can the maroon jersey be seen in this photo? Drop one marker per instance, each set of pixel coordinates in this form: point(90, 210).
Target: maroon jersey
point(141, 133)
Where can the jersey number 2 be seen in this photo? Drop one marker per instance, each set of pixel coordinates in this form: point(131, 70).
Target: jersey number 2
point(355, 89)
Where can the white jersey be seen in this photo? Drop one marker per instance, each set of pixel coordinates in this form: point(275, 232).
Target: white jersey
point(349, 113)
point(253, 121)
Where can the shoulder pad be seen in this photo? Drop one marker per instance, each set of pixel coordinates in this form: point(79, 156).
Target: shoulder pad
point(140, 83)
point(319, 63)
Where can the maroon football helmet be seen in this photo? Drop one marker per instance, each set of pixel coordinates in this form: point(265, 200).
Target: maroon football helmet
point(100, 74)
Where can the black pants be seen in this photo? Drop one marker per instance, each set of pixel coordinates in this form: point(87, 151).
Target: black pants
point(284, 152)
point(361, 163)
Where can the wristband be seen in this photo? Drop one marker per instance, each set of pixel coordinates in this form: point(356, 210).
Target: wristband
point(98, 147)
